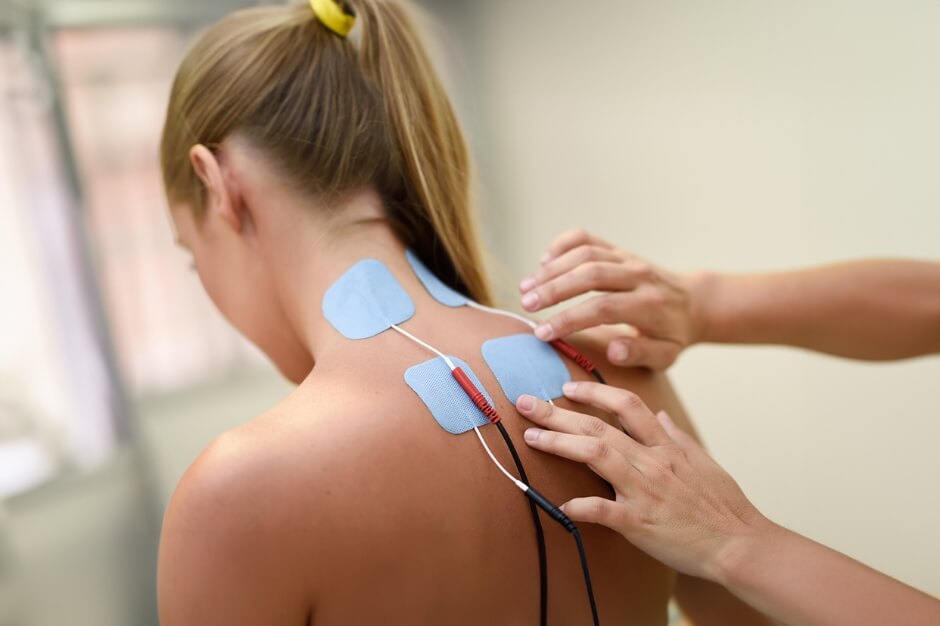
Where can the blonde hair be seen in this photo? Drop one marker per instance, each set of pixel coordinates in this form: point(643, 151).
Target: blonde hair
point(334, 117)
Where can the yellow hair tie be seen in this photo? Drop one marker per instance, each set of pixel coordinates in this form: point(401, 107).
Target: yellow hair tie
point(332, 15)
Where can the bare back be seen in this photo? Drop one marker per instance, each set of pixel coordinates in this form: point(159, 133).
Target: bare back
point(351, 505)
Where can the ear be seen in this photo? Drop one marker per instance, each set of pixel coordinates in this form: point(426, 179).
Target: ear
point(221, 199)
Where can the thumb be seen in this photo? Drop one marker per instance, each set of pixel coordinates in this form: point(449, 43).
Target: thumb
point(597, 510)
point(642, 352)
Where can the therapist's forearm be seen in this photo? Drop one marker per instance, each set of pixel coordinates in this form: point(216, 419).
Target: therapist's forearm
point(875, 309)
point(799, 582)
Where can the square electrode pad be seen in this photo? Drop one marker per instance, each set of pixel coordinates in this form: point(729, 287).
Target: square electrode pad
point(366, 301)
point(435, 286)
point(524, 365)
point(444, 397)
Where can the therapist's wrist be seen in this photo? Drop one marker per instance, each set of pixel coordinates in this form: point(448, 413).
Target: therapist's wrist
point(750, 548)
point(705, 289)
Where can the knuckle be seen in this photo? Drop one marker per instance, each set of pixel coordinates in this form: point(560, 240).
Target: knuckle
point(605, 307)
point(545, 411)
point(657, 472)
point(586, 254)
point(629, 402)
point(562, 322)
point(593, 272)
point(597, 449)
point(547, 292)
point(675, 454)
point(591, 426)
point(653, 299)
point(665, 462)
point(643, 270)
point(597, 509)
point(579, 234)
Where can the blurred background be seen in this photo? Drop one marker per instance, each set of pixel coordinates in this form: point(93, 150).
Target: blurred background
point(732, 135)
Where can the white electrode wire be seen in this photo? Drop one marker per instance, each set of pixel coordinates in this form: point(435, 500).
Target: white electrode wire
point(489, 309)
point(515, 316)
point(447, 360)
point(521, 485)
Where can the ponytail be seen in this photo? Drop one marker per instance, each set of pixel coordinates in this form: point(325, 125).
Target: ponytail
point(437, 210)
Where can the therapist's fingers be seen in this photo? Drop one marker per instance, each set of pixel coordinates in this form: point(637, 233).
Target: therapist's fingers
point(691, 448)
point(643, 351)
point(597, 510)
point(601, 454)
point(586, 277)
point(639, 422)
point(567, 261)
point(572, 239)
point(672, 500)
point(630, 307)
point(565, 421)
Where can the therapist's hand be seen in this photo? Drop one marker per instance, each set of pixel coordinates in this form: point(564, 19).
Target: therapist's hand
point(672, 500)
point(663, 307)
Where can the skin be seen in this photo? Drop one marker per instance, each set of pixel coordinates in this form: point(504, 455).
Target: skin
point(871, 309)
point(346, 503)
point(675, 503)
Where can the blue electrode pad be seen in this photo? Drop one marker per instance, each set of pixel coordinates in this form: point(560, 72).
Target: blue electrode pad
point(444, 397)
point(524, 365)
point(435, 286)
point(366, 301)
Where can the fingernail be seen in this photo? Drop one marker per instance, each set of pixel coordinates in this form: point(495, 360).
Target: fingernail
point(530, 300)
point(544, 332)
point(545, 258)
point(525, 403)
point(532, 434)
point(527, 284)
point(569, 388)
point(562, 507)
point(619, 353)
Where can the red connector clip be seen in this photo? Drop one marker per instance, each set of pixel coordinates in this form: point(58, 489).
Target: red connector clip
point(572, 353)
point(475, 395)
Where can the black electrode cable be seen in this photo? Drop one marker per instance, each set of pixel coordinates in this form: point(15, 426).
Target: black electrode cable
point(559, 516)
point(539, 532)
point(587, 574)
point(597, 374)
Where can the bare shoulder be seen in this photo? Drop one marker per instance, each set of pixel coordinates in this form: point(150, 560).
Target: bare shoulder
point(237, 538)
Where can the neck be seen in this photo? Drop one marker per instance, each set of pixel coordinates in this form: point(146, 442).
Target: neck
point(317, 256)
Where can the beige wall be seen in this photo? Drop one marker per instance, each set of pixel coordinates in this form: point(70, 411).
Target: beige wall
point(743, 136)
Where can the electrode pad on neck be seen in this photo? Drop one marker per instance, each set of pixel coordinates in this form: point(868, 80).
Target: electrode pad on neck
point(435, 286)
point(366, 301)
point(443, 396)
point(524, 365)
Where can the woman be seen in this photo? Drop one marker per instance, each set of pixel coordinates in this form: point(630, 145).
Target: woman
point(290, 153)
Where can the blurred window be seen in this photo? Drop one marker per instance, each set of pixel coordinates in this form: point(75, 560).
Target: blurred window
point(116, 83)
point(55, 398)
point(85, 124)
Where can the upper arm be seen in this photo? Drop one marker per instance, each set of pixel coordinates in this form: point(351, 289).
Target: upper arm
point(223, 554)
